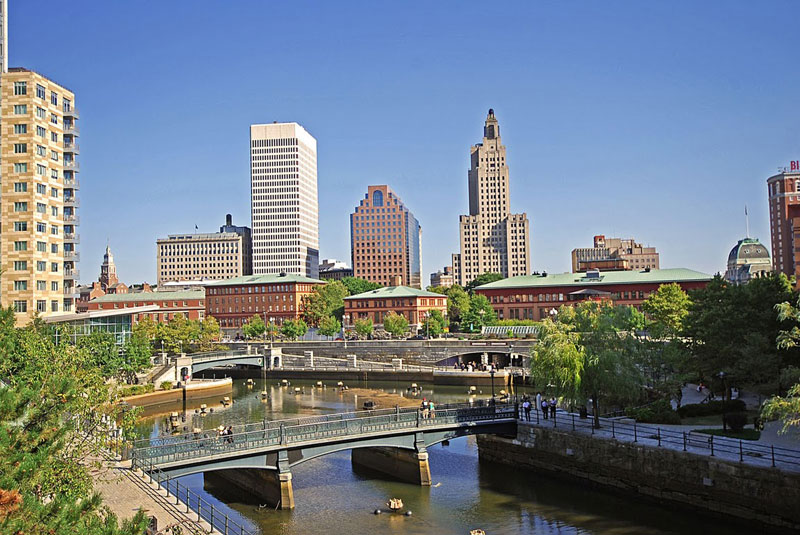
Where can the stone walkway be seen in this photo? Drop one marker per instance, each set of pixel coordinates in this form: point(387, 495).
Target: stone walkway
point(125, 492)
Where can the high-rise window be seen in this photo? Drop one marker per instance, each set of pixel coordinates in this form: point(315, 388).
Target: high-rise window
point(20, 167)
point(20, 109)
point(40, 91)
point(20, 246)
point(20, 306)
point(20, 148)
point(21, 128)
point(20, 187)
point(20, 265)
point(20, 285)
point(41, 131)
point(54, 98)
point(20, 88)
point(20, 207)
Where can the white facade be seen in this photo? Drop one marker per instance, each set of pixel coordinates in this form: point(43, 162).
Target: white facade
point(283, 200)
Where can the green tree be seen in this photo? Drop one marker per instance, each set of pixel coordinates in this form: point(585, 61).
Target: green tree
point(593, 354)
point(136, 353)
point(733, 329)
point(53, 395)
point(435, 323)
point(441, 290)
point(255, 327)
point(326, 300)
point(480, 313)
point(395, 324)
point(363, 326)
point(329, 326)
point(667, 309)
point(480, 280)
point(294, 329)
point(785, 408)
point(457, 303)
point(103, 351)
point(209, 333)
point(356, 286)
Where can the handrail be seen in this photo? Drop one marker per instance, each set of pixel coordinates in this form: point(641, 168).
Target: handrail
point(283, 432)
point(734, 449)
point(219, 521)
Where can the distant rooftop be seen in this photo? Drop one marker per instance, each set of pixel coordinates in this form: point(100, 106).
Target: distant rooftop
point(266, 279)
point(394, 292)
point(601, 278)
point(151, 296)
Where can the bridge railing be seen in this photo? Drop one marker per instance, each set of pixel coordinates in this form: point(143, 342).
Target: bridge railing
point(216, 355)
point(218, 520)
point(293, 431)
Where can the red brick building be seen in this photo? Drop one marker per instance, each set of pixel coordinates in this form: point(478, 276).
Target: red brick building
point(409, 302)
point(276, 298)
point(534, 297)
point(192, 304)
point(784, 219)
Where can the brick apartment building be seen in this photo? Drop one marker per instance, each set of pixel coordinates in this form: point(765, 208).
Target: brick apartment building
point(276, 298)
point(192, 304)
point(535, 297)
point(412, 303)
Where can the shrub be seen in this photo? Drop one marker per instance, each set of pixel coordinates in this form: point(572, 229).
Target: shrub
point(659, 412)
point(166, 385)
point(712, 407)
point(135, 390)
point(736, 420)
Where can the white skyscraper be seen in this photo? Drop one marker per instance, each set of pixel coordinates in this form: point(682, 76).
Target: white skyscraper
point(283, 199)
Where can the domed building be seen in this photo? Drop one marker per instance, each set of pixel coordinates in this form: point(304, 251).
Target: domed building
point(747, 260)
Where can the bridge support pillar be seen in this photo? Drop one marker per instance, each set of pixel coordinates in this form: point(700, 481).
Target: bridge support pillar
point(406, 465)
point(266, 486)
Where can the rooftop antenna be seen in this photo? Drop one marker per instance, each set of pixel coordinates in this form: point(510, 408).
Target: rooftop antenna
point(746, 222)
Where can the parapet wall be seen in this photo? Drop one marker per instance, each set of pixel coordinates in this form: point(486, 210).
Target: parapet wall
point(734, 490)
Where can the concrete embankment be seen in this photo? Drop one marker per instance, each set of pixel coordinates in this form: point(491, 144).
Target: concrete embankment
point(194, 391)
point(760, 496)
point(437, 377)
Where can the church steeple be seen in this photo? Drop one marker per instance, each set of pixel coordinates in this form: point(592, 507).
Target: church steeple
point(108, 270)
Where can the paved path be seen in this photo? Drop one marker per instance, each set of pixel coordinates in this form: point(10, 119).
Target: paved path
point(125, 492)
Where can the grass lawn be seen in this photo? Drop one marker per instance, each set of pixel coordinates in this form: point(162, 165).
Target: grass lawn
point(714, 419)
point(744, 434)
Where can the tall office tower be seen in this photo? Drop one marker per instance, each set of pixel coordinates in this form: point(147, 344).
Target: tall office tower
point(492, 238)
point(283, 200)
point(784, 219)
point(386, 240)
point(38, 241)
point(247, 242)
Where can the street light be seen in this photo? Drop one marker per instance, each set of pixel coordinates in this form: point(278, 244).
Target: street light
point(491, 373)
point(481, 312)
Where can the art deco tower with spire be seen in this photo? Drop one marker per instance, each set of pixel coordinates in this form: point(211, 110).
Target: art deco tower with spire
point(492, 238)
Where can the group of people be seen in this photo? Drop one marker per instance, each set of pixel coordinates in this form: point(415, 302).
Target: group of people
point(226, 434)
point(469, 367)
point(427, 409)
point(548, 408)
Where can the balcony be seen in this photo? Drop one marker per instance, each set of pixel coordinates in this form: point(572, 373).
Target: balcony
point(72, 219)
point(71, 291)
point(72, 256)
point(73, 183)
point(72, 274)
point(72, 237)
point(72, 147)
point(71, 200)
point(71, 128)
point(72, 165)
point(70, 111)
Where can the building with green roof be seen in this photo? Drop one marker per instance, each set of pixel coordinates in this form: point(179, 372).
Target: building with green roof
point(537, 296)
point(412, 303)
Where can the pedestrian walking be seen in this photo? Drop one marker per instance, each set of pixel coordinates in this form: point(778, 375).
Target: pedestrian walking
point(538, 401)
point(544, 408)
point(431, 410)
point(553, 408)
point(526, 408)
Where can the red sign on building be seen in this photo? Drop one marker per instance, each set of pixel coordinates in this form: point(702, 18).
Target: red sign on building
point(794, 165)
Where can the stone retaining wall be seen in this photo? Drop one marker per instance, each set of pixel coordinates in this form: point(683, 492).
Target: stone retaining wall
point(196, 390)
point(754, 494)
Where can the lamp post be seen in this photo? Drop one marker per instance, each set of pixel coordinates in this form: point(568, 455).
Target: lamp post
point(271, 332)
point(345, 321)
point(722, 376)
point(491, 373)
point(266, 326)
point(481, 312)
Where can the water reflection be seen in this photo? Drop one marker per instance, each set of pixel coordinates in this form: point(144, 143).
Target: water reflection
point(333, 498)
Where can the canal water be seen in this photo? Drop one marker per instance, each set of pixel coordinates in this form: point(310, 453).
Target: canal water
point(331, 497)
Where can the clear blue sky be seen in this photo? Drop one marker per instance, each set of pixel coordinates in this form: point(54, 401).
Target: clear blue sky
point(657, 120)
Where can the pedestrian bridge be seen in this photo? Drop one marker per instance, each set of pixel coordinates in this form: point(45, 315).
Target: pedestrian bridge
point(259, 457)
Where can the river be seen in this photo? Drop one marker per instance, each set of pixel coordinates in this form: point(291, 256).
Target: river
point(331, 497)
